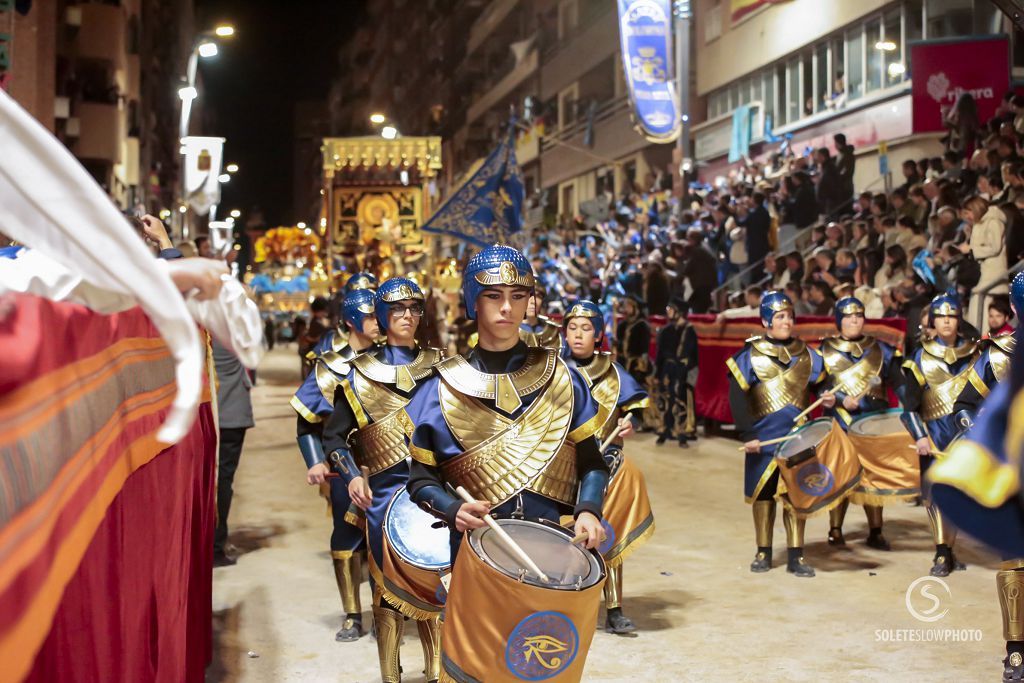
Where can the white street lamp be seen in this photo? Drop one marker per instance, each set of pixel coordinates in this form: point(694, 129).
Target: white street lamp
point(389, 132)
point(224, 178)
point(207, 50)
point(231, 168)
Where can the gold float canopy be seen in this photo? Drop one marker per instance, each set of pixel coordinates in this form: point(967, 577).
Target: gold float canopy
point(422, 153)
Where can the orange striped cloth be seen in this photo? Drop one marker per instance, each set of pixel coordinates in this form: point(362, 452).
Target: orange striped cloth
point(82, 397)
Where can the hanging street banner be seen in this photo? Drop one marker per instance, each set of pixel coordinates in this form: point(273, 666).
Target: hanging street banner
point(488, 207)
point(645, 32)
point(203, 158)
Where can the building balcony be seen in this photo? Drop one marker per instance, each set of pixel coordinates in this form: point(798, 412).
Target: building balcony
point(487, 22)
point(591, 43)
point(101, 35)
point(101, 131)
point(503, 87)
point(614, 137)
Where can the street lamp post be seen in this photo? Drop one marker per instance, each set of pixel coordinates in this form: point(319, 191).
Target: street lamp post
point(206, 48)
point(683, 13)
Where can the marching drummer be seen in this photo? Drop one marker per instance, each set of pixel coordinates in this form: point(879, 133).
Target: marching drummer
point(978, 486)
point(537, 329)
point(512, 424)
point(943, 389)
point(769, 383)
point(314, 402)
point(369, 413)
point(859, 370)
point(334, 339)
point(627, 508)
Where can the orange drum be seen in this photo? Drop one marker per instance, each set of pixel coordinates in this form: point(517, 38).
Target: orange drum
point(819, 467)
point(892, 470)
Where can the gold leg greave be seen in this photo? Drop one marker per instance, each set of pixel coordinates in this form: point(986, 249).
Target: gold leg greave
point(764, 522)
point(389, 640)
point(837, 515)
point(430, 640)
point(1010, 584)
point(613, 588)
point(794, 529)
point(348, 574)
point(874, 515)
point(691, 413)
point(942, 530)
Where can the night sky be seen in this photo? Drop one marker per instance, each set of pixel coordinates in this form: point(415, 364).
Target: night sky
point(283, 51)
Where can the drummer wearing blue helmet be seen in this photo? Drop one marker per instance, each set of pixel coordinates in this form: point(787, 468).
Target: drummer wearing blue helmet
point(334, 339)
point(367, 430)
point(978, 486)
point(314, 402)
point(943, 386)
point(506, 398)
point(859, 370)
point(770, 380)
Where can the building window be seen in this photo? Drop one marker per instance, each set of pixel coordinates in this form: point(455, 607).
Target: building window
point(822, 77)
point(892, 54)
point(949, 18)
point(855, 63)
point(793, 103)
point(567, 100)
point(768, 96)
point(568, 18)
point(875, 46)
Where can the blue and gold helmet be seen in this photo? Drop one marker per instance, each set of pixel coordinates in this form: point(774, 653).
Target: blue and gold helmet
point(1017, 295)
point(356, 306)
point(359, 281)
point(394, 289)
point(774, 302)
point(944, 305)
point(586, 309)
point(495, 265)
point(848, 305)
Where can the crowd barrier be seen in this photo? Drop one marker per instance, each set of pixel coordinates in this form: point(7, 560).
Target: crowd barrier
point(716, 341)
point(105, 535)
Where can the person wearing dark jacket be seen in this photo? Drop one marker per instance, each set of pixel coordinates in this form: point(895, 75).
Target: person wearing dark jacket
point(758, 225)
point(830, 184)
point(700, 269)
point(846, 163)
point(676, 358)
point(802, 205)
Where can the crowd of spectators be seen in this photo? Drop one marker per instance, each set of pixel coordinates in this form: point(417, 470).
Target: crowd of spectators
point(795, 222)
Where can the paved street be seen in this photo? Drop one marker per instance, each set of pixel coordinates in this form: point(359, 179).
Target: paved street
point(702, 615)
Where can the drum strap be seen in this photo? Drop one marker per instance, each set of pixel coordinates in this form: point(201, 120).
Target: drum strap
point(517, 453)
point(382, 444)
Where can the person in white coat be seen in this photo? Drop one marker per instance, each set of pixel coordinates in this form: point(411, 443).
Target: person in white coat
point(987, 228)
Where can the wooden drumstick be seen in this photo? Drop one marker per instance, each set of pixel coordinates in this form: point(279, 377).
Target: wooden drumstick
point(366, 481)
point(935, 451)
point(507, 540)
point(772, 442)
point(808, 409)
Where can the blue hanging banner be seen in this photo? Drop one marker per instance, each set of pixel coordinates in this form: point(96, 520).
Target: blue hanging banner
point(645, 31)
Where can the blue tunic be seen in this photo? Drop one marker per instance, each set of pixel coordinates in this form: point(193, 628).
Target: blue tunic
point(433, 442)
point(944, 429)
point(978, 484)
point(312, 405)
point(758, 467)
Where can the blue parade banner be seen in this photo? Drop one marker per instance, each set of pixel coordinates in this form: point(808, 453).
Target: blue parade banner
point(489, 205)
point(645, 32)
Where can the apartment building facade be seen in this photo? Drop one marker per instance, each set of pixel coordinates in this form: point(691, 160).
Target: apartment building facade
point(807, 69)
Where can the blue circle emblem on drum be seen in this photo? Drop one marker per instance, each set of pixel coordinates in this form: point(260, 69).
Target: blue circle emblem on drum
point(609, 541)
point(815, 479)
point(541, 646)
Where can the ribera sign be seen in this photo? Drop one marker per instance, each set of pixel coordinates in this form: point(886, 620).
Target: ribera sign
point(943, 70)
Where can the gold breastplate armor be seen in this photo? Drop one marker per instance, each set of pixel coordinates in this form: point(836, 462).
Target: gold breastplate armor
point(999, 354)
point(381, 443)
point(943, 387)
point(503, 455)
point(603, 379)
point(779, 385)
point(854, 376)
point(549, 337)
